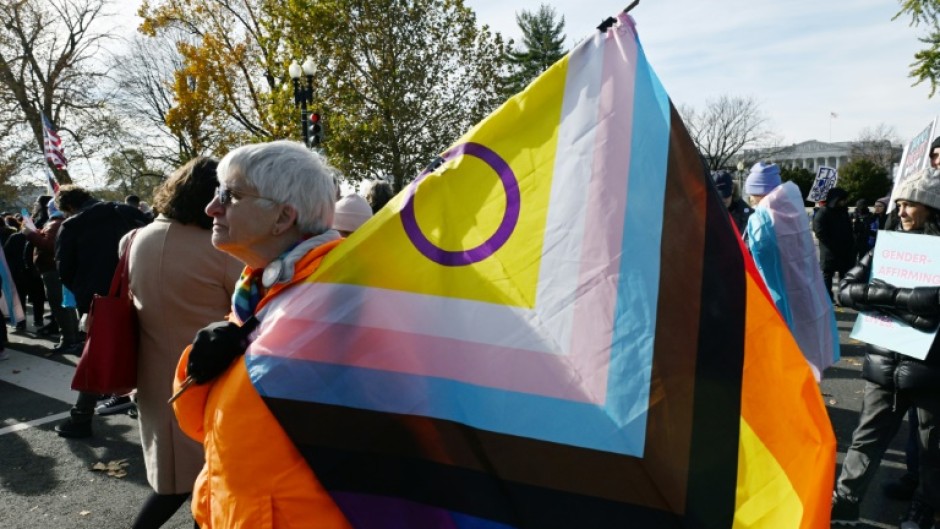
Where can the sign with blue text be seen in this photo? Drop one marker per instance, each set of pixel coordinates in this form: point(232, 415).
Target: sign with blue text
point(826, 178)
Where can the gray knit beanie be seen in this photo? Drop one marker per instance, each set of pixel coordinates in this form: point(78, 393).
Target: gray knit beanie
point(923, 189)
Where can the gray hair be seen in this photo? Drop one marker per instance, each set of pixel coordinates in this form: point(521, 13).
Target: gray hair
point(289, 173)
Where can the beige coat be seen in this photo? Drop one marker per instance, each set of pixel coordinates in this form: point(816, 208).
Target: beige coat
point(180, 284)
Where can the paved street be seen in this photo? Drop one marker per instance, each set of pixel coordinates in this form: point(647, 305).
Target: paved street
point(48, 482)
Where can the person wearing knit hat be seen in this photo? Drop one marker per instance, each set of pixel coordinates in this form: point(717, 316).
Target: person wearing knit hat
point(352, 211)
point(897, 382)
point(924, 190)
point(737, 208)
point(763, 178)
point(779, 240)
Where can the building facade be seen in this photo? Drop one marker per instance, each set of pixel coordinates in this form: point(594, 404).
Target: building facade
point(806, 155)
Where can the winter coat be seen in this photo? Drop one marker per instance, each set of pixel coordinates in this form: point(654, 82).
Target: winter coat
point(863, 231)
point(87, 247)
point(740, 212)
point(179, 284)
point(254, 475)
point(833, 229)
point(882, 366)
point(43, 242)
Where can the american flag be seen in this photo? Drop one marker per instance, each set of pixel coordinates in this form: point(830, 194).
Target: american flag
point(51, 184)
point(52, 144)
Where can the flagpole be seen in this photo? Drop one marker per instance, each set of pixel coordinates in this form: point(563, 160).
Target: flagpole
point(85, 154)
point(610, 21)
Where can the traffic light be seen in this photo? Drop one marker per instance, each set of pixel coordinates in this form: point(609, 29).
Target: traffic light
point(315, 131)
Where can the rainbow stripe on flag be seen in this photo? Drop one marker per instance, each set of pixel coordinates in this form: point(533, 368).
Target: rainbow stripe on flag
point(553, 326)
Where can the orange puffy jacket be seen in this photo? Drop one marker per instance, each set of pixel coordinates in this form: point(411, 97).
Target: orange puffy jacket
point(254, 477)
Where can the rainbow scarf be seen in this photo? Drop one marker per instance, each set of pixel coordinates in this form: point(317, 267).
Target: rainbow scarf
point(557, 326)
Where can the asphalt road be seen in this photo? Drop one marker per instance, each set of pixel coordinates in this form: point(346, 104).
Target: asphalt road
point(47, 482)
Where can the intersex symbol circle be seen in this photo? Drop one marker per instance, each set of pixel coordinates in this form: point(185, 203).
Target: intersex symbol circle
point(503, 231)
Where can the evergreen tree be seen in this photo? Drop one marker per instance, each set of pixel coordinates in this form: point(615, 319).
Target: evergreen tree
point(862, 178)
point(926, 65)
point(803, 178)
point(543, 41)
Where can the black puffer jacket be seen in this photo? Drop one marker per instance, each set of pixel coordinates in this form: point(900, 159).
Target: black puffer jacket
point(919, 307)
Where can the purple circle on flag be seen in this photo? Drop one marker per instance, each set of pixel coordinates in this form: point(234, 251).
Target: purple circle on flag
point(503, 231)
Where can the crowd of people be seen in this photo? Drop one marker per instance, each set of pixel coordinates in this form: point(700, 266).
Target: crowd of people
point(777, 232)
point(261, 204)
point(274, 211)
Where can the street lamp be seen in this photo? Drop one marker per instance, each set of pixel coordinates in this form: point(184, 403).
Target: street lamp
point(303, 93)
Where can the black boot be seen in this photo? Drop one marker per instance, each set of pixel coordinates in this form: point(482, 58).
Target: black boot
point(74, 429)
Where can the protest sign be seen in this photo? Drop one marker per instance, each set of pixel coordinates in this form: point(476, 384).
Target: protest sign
point(826, 178)
point(914, 158)
point(904, 260)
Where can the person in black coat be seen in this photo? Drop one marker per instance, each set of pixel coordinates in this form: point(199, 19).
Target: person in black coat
point(86, 251)
point(896, 382)
point(86, 255)
point(833, 229)
point(864, 237)
point(737, 208)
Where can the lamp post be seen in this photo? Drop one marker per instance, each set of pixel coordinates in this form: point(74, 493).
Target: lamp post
point(303, 94)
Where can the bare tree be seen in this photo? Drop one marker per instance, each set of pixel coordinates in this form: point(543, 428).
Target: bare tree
point(48, 66)
point(879, 145)
point(145, 75)
point(725, 127)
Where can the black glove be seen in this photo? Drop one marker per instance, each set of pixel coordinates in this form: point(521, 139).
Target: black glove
point(881, 294)
point(215, 347)
point(923, 301)
point(921, 323)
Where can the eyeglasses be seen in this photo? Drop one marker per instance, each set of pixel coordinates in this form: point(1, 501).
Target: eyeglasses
point(227, 196)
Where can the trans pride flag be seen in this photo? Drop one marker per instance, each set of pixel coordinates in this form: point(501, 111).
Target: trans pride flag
point(554, 327)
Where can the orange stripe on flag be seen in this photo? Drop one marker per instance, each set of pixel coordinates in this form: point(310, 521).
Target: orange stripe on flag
point(782, 404)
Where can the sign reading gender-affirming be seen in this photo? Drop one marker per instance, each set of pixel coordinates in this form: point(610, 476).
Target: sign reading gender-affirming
point(904, 260)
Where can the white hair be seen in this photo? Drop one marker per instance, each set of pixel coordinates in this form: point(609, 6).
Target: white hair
point(288, 173)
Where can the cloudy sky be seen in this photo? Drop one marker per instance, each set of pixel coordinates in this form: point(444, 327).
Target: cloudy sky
point(801, 60)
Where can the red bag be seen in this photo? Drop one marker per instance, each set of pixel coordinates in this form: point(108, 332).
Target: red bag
point(109, 361)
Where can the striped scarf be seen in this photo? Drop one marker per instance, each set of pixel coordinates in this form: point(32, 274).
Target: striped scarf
point(248, 293)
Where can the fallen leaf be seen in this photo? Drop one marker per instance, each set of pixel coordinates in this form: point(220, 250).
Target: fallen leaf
point(113, 468)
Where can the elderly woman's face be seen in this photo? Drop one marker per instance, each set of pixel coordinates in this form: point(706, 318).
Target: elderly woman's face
point(913, 215)
point(242, 219)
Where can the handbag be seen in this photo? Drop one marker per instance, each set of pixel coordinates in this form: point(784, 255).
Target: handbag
point(109, 360)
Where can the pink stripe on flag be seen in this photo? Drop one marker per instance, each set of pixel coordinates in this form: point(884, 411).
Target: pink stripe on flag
point(403, 352)
point(603, 234)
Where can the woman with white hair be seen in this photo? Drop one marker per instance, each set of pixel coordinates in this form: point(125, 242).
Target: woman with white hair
point(272, 211)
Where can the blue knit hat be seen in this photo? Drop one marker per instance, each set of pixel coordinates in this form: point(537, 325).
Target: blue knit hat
point(763, 179)
point(723, 183)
